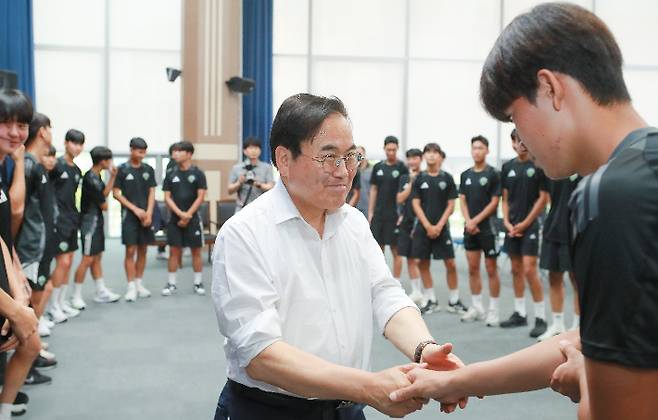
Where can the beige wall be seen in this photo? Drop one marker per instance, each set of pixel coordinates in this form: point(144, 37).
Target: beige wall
point(211, 114)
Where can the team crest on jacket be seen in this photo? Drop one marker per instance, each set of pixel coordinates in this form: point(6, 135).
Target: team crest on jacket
point(530, 172)
point(443, 185)
point(146, 176)
point(191, 179)
point(483, 181)
point(395, 173)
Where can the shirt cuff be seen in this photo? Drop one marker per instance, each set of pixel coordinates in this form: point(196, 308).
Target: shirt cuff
point(256, 335)
point(387, 302)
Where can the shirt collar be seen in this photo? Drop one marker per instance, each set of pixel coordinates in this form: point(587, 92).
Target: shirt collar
point(632, 138)
point(284, 209)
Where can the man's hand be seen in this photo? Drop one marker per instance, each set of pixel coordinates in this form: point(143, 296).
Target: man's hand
point(113, 170)
point(427, 383)
point(23, 322)
point(183, 223)
point(242, 179)
point(148, 220)
point(18, 154)
point(520, 228)
point(471, 227)
point(441, 358)
point(387, 381)
point(567, 377)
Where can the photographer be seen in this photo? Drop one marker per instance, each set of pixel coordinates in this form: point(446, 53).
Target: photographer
point(250, 178)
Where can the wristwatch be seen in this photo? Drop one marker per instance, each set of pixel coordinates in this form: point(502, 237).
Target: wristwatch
point(418, 354)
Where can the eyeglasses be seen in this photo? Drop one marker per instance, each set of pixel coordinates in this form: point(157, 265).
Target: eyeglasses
point(332, 161)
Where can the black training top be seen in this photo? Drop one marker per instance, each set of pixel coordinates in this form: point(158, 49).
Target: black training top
point(434, 193)
point(614, 215)
point(387, 179)
point(523, 182)
point(135, 183)
point(478, 188)
point(406, 209)
point(31, 238)
point(356, 185)
point(184, 186)
point(65, 179)
point(49, 209)
point(556, 226)
point(92, 194)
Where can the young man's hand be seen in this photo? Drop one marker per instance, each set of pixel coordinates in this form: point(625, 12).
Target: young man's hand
point(567, 377)
point(23, 322)
point(140, 213)
point(18, 154)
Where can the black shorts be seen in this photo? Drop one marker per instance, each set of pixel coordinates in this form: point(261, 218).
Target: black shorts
point(555, 257)
point(384, 231)
point(132, 231)
point(92, 235)
point(190, 236)
point(64, 244)
point(486, 242)
point(404, 241)
point(425, 248)
point(527, 245)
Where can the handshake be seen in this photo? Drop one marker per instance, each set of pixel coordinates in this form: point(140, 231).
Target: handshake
point(443, 377)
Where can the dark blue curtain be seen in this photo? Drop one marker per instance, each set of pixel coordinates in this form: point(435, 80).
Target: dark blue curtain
point(16, 42)
point(257, 65)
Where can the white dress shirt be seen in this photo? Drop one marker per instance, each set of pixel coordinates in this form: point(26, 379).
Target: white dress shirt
point(275, 279)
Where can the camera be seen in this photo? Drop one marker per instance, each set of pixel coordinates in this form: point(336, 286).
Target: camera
point(250, 175)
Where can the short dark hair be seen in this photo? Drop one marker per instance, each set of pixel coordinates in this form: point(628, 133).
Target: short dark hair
point(171, 147)
point(434, 147)
point(51, 151)
point(414, 152)
point(75, 136)
point(15, 106)
point(559, 37)
point(251, 141)
point(138, 143)
point(298, 120)
point(184, 146)
point(391, 139)
point(481, 139)
point(38, 121)
point(514, 135)
point(99, 154)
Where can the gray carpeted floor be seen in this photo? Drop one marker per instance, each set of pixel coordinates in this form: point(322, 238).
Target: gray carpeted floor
point(162, 358)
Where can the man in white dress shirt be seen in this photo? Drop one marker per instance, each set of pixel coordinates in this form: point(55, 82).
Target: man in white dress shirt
point(298, 282)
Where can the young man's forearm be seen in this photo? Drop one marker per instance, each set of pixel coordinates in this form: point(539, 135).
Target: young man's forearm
point(487, 211)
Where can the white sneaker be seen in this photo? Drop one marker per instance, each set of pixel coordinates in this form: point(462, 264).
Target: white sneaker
point(47, 355)
point(78, 303)
point(199, 289)
point(143, 292)
point(131, 293)
point(44, 330)
point(416, 297)
point(169, 289)
point(48, 322)
point(552, 331)
point(44, 345)
point(69, 311)
point(105, 295)
point(57, 315)
point(493, 319)
point(473, 315)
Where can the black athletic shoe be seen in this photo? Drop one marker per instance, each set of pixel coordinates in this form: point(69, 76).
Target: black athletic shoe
point(19, 407)
point(36, 378)
point(540, 328)
point(457, 308)
point(43, 363)
point(516, 320)
point(430, 306)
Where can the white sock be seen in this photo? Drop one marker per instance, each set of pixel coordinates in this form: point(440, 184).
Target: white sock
point(493, 304)
point(77, 290)
point(138, 282)
point(131, 285)
point(477, 302)
point(540, 310)
point(55, 297)
point(5, 411)
point(576, 322)
point(429, 294)
point(198, 278)
point(100, 284)
point(558, 319)
point(397, 279)
point(416, 286)
point(62, 294)
point(519, 306)
point(453, 296)
point(172, 278)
